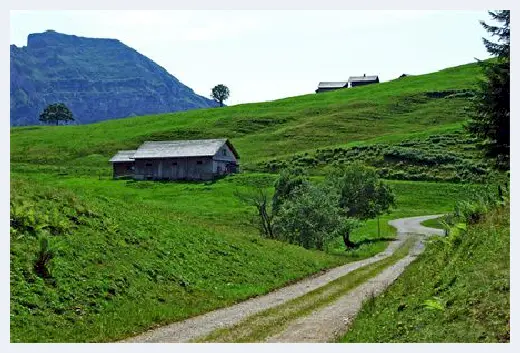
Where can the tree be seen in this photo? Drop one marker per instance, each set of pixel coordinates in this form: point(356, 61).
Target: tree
point(55, 113)
point(220, 93)
point(259, 198)
point(309, 218)
point(491, 118)
point(287, 182)
point(361, 195)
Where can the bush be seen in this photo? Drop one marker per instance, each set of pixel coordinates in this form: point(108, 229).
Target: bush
point(45, 255)
point(450, 157)
point(309, 218)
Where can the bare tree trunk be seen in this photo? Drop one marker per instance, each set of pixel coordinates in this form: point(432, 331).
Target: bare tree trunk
point(221, 103)
point(266, 220)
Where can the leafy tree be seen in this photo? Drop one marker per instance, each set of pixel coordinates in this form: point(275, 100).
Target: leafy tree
point(288, 181)
point(361, 194)
point(309, 218)
point(55, 113)
point(220, 93)
point(346, 226)
point(491, 119)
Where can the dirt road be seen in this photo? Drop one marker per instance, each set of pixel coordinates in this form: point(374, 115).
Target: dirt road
point(332, 320)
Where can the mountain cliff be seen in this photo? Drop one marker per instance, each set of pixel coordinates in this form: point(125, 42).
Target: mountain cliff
point(98, 79)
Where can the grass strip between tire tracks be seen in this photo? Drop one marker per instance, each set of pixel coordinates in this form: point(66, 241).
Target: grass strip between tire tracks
point(260, 326)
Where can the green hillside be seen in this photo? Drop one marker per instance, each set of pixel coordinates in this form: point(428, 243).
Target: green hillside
point(123, 256)
point(453, 293)
point(409, 107)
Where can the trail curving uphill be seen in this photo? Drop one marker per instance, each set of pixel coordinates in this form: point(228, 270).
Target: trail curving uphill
point(323, 325)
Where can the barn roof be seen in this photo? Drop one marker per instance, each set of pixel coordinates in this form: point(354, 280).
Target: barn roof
point(363, 78)
point(123, 156)
point(182, 148)
point(340, 84)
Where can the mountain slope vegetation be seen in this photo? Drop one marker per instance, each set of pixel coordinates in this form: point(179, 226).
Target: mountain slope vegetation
point(390, 112)
point(95, 259)
point(453, 293)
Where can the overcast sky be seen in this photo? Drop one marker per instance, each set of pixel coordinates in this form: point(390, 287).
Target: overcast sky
point(265, 55)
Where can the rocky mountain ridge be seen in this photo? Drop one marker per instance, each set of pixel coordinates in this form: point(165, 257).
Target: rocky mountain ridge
point(98, 79)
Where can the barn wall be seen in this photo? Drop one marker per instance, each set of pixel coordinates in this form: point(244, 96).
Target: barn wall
point(121, 169)
point(224, 161)
point(321, 90)
point(355, 84)
point(174, 168)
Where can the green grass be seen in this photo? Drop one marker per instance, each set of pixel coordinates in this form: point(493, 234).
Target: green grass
point(469, 283)
point(148, 253)
point(258, 327)
point(131, 255)
point(125, 263)
point(452, 157)
point(434, 223)
point(390, 111)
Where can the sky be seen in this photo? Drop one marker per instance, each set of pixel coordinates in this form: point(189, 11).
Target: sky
point(267, 55)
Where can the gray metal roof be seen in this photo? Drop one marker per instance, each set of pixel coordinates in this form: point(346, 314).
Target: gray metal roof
point(180, 148)
point(340, 84)
point(123, 156)
point(362, 78)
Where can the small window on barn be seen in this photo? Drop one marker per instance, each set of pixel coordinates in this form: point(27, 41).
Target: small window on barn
point(224, 152)
point(148, 164)
point(199, 162)
point(174, 163)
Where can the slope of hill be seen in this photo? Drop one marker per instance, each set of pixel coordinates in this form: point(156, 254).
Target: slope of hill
point(97, 79)
point(384, 112)
point(453, 293)
point(129, 255)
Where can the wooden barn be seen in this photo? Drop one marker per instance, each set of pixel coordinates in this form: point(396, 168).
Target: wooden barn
point(331, 86)
point(355, 81)
point(178, 160)
point(123, 163)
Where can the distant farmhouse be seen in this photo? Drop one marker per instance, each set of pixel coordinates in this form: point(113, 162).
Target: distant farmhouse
point(176, 160)
point(355, 81)
point(352, 81)
point(331, 86)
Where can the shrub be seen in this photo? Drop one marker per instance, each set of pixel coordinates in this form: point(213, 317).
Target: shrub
point(309, 218)
point(43, 258)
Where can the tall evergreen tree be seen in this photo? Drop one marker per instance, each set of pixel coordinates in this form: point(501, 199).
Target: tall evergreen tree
point(491, 119)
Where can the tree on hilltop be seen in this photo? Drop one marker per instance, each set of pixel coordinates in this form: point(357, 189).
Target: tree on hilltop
point(220, 93)
point(56, 113)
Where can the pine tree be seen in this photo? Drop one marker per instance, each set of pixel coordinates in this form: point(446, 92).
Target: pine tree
point(491, 119)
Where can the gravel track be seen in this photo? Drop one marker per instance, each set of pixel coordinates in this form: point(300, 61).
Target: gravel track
point(330, 323)
point(334, 315)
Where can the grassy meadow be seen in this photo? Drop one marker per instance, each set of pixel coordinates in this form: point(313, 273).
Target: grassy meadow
point(124, 256)
point(391, 111)
point(452, 293)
